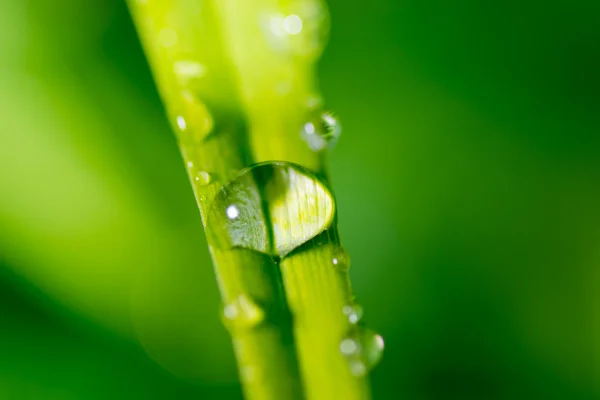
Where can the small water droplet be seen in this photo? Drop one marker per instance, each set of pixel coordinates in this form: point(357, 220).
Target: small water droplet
point(167, 37)
point(349, 347)
point(340, 259)
point(358, 368)
point(353, 312)
point(194, 121)
point(271, 208)
point(203, 178)
point(363, 351)
point(181, 123)
point(242, 312)
point(292, 24)
point(322, 130)
point(300, 29)
point(188, 69)
point(190, 164)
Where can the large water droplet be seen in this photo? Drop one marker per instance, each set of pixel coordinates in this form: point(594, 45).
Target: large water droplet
point(242, 312)
point(321, 130)
point(363, 351)
point(195, 122)
point(353, 312)
point(271, 208)
point(301, 28)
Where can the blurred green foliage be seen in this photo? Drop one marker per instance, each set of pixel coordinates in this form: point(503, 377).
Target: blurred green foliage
point(467, 181)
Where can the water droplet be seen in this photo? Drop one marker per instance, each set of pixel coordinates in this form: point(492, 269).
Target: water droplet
point(181, 123)
point(292, 24)
point(195, 122)
point(363, 351)
point(167, 37)
point(190, 164)
point(349, 347)
point(353, 312)
point(271, 208)
point(321, 130)
point(300, 29)
point(203, 178)
point(340, 259)
point(358, 368)
point(188, 69)
point(373, 345)
point(242, 312)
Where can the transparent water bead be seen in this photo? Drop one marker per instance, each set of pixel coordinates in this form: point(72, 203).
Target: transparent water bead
point(242, 312)
point(301, 28)
point(186, 70)
point(353, 312)
point(203, 178)
point(363, 351)
point(195, 121)
point(322, 130)
point(340, 259)
point(272, 208)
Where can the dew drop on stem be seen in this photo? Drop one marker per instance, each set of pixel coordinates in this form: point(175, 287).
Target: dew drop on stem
point(353, 313)
point(300, 29)
point(203, 178)
point(242, 312)
point(321, 130)
point(340, 259)
point(186, 70)
point(363, 350)
point(194, 121)
point(271, 208)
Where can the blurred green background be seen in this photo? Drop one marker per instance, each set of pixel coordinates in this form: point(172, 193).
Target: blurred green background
point(468, 182)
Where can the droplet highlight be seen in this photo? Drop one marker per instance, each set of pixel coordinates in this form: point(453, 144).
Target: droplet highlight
point(293, 24)
point(186, 70)
point(181, 123)
point(349, 347)
point(363, 351)
point(194, 120)
point(232, 212)
point(271, 208)
point(321, 131)
point(353, 312)
point(340, 259)
point(203, 178)
point(242, 312)
point(300, 29)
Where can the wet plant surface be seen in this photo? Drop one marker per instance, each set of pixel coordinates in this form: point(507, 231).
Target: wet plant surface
point(254, 135)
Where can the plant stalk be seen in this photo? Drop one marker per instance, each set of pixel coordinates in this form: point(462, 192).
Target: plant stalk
point(256, 90)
